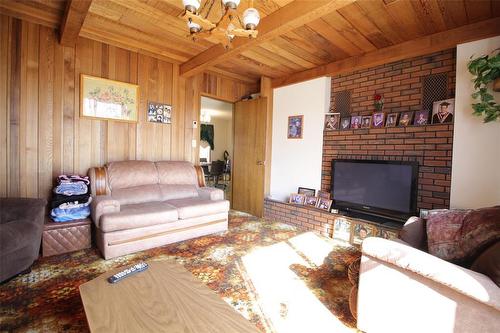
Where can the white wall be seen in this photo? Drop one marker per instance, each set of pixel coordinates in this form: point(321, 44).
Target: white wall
point(223, 137)
point(297, 162)
point(475, 180)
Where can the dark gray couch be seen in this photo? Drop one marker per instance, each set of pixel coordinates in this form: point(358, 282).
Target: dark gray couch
point(21, 227)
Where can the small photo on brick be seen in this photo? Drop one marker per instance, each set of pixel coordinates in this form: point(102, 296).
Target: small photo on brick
point(406, 118)
point(332, 121)
point(442, 111)
point(378, 119)
point(366, 122)
point(421, 118)
point(345, 123)
point(355, 122)
point(392, 120)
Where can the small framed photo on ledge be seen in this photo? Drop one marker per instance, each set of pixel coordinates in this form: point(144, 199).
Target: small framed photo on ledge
point(366, 122)
point(392, 120)
point(345, 123)
point(332, 121)
point(421, 118)
point(324, 195)
point(309, 192)
point(311, 201)
point(378, 119)
point(324, 204)
point(405, 119)
point(296, 198)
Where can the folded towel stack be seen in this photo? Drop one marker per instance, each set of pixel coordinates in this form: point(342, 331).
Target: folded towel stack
point(71, 199)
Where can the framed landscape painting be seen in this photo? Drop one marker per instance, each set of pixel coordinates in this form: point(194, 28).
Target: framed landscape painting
point(108, 99)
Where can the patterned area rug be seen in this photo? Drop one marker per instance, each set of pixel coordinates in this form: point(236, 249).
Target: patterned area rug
point(279, 278)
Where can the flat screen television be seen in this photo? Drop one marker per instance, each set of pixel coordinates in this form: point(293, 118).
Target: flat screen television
point(380, 188)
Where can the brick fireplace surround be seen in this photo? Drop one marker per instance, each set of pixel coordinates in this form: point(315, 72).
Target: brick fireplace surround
point(431, 146)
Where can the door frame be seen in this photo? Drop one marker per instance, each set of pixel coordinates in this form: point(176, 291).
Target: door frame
point(197, 150)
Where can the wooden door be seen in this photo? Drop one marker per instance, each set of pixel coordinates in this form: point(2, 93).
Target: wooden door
point(249, 156)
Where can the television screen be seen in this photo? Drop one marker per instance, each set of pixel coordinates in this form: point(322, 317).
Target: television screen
point(372, 185)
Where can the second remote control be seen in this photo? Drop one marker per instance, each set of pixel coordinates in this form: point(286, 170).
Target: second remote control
point(140, 267)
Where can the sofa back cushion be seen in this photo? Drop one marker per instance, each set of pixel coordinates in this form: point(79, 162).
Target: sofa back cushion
point(176, 173)
point(170, 192)
point(460, 236)
point(137, 194)
point(488, 263)
point(131, 174)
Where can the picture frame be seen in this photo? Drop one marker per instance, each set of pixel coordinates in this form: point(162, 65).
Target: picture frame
point(387, 234)
point(332, 121)
point(405, 119)
point(392, 120)
point(324, 195)
point(366, 121)
point(355, 122)
point(311, 201)
point(361, 231)
point(443, 111)
point(295, 127)
point(345, 123)
point(324, 204)
point(378, 120)
point(296, 198)
point(159, 113)
point(342, 229)
point(310, 192)
point(105, 99)
point(421, 118)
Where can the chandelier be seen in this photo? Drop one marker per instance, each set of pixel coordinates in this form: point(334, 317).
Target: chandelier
point(228, 26)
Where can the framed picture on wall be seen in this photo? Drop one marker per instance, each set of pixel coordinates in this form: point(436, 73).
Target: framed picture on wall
point(355, 122)
point(366, 121)
point(324, 204)
point(159, 113)
point(332, 121)
point(295, 127)
point(345, 123)
point(105, 99)
point(378, 119)
point(311, 201)
point(362, 231)
point(324, 195)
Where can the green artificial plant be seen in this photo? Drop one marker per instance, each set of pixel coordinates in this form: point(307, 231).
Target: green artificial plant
point(486, 69)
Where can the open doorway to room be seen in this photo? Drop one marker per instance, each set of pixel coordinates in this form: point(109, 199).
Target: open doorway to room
point(216, 143)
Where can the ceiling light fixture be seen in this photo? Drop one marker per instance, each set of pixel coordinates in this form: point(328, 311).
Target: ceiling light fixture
point(228, 26)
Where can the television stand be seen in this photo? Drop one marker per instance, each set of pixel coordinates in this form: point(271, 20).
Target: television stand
point(341, 226)
point(384, 220)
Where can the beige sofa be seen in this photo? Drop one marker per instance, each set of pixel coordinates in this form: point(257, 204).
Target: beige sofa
point(140, 205)
point(402, 289)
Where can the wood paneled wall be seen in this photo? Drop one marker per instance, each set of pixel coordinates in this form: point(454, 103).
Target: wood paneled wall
point(41, 132)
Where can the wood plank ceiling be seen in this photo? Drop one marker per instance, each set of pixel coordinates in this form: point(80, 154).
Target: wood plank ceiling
point(154, 27)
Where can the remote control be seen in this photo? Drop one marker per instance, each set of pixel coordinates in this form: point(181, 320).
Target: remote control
point(142, 266)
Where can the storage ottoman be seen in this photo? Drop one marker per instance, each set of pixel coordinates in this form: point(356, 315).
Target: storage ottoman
point(63, 237)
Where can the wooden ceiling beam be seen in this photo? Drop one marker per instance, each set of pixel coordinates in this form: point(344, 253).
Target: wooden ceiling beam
point(76, 11)
point(283, 20)
point(414, 48)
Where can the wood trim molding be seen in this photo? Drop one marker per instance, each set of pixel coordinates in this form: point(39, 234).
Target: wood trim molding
point(285, 19)
point(201, 175)
point(417, 47)
point(100, 181)
point(76, 11)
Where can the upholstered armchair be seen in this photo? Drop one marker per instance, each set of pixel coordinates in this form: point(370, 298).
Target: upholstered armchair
point(405, 289)
point(21, 227)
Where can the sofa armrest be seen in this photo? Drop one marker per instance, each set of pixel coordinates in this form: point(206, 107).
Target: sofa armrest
point(22, 209)
point(464, 281)
point(210, 193)
point(103, 204)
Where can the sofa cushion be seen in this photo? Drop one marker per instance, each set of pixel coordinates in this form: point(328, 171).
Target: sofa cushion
point(131, 173)
point(138, 215)
point(15, 235)
point(413, 233)
point(194, 207)
point(176, 173)
point(137, 194)
point(170, 192)
point(488, 263)
point(460, 235)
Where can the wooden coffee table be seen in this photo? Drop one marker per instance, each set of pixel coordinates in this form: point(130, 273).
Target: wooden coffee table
point(164, 298)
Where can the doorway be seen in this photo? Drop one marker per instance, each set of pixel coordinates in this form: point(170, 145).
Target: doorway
point(216, 143)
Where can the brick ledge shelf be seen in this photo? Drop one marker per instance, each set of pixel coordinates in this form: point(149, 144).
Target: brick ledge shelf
point(313, 219)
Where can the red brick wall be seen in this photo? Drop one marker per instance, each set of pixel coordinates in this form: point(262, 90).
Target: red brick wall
point(430, 145)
